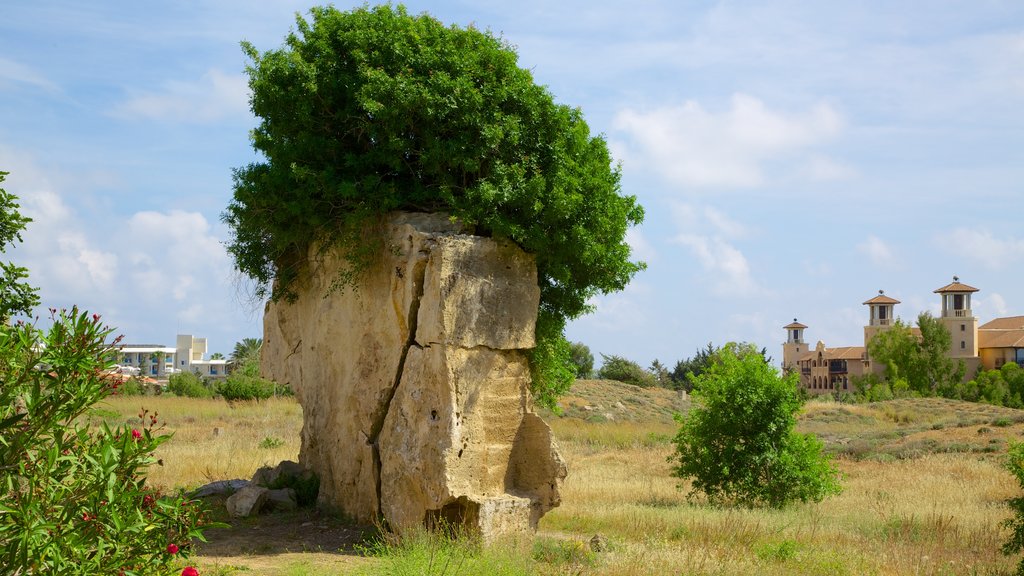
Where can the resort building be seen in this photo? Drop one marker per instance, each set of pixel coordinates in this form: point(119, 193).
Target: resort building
point(158, 361)
point(985, 347)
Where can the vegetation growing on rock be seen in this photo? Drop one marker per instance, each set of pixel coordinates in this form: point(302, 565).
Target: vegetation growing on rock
point(373, 110)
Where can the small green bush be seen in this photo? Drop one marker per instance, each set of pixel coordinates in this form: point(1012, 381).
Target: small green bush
point(625, 371)
point(188, 384)
point(738, 442)
point(271, 442)
point(240, 386)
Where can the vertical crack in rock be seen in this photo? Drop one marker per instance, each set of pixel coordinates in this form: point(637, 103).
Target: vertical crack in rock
point(419, 268)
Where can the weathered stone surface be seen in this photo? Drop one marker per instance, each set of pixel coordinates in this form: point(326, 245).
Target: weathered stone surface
point(246, 501)
point(220, 488)
point(415, 385)
point(286, 471)
point(281, 500)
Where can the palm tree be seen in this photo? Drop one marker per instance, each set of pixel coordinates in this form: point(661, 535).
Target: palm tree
point(216, 356)
point(246, 350)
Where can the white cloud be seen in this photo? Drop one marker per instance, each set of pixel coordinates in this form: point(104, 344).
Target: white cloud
point(708, 233)
point(992, 306)
point(982, 246)
point(877, 251)
point(212, 97)
point(691, 146)
point(12, 72)
point(639, 246)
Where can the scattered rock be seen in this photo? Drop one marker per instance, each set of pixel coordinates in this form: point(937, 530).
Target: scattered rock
point(281, 500)
point(284, 473)
point(247, 501)
point(220, 488)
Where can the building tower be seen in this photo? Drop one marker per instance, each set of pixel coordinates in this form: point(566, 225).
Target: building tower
point(881, 316)
point(794, 345)
point(958, 318)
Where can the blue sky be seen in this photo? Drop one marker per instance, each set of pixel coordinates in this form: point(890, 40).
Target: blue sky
point(793, 157)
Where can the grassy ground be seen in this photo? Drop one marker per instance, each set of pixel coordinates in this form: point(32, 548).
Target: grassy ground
point(924, 493)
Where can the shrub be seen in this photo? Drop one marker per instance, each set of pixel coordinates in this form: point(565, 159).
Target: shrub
point(1015, 464)
point(738, 444)
point(373, 110)
point(188, 384)
point(239, 386)
point(625, 371)
point(74, 499)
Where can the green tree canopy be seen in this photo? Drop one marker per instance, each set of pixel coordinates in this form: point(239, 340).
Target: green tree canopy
point(19, 297)
point(626, 371)
point(921, 361)
point(582, 359)
point(246, 350)
point(373, 110)
point(738, 442)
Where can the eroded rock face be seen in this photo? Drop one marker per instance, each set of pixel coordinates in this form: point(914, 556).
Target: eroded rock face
point(415, 385)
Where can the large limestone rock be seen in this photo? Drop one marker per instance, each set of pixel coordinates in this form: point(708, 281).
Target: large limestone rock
point(415, 385)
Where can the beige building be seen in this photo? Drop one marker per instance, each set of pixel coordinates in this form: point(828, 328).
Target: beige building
point(989, 346)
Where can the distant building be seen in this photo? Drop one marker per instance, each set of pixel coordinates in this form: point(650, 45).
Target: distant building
point(158, 361)
point(989, 346)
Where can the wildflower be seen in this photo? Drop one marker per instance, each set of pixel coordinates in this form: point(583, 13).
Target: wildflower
point(189, 571)
point(172, 548)
point(136, 434)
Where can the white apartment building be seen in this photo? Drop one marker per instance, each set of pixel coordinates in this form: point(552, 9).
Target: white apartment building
point(158, 361)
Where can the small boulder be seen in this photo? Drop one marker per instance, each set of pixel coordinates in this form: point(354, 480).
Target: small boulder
point(220, 488)
point(284, 473)
point(598, 543)
point(247, 501)
point(281, 500)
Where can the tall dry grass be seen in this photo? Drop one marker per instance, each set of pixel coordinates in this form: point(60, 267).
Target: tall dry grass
point(213, 440)
point(936, 514)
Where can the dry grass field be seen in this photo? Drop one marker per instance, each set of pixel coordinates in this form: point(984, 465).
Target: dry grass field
point(924, 493)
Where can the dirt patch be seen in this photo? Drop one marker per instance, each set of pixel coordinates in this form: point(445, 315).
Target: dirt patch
point(263, 543)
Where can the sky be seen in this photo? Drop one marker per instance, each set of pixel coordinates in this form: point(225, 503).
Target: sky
point(793, 157)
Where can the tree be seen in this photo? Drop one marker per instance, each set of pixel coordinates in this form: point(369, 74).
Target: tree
point(1015, 464)
point(625, 371)
point(582, 359)
point(216, 356)
point(923, 363)
point(686, 371)
point(247, 351)
point(373, 110)
point(18, 296)
point(738, 443)
point(661, 374)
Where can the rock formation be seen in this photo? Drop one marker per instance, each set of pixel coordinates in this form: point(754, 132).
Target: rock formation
point(414, 384)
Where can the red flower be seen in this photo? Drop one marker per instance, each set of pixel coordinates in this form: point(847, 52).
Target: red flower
point(172, 548)
point(189, 571)
point(86, 517)
point(136, 434)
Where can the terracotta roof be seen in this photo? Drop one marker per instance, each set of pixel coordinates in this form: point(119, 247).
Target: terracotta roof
point(1001, 338)
point(956, 286)
point(1002, 333)
point(1009, 323)
point(882, 299)
point(793, 324)
point(843, 353)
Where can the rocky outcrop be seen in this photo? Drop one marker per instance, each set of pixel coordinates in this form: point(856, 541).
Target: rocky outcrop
point(415, 386)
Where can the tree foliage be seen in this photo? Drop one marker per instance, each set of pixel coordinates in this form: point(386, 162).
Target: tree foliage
point(921, 363)
point(1015, 464)
point(626, 371)
point(247, 350)
point(373, 110)
point(582, 359)
point(738, 443)
point(19, 297)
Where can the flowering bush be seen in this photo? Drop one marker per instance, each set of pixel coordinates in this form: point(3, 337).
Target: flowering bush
point(74, 499)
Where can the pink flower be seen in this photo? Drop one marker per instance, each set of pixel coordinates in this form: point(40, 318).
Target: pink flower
point(172, 548)
point(136, 434)
point(189, 571)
